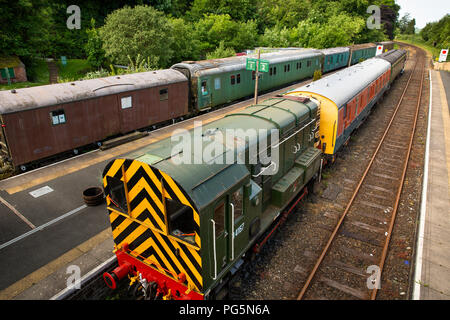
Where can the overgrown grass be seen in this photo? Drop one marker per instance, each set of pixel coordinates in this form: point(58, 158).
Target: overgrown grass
point(75, 69)
point(417, 40)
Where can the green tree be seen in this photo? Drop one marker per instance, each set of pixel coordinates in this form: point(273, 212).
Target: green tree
point(221, 52)
point(140, 30)
point(238, 10)
point(94, 50)
point(184, 46)
point(213, 29)
point(24, 27)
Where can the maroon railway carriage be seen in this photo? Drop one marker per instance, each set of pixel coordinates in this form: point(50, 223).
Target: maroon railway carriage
point(43, 121)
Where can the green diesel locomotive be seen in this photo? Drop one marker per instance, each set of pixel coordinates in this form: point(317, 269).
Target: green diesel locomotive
point(185, 211)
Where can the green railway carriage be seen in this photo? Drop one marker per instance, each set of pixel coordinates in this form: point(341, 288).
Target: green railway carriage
point(184, 227)
point(220, 81)
point(397, 59)
point(335, 58)
point(362, 52)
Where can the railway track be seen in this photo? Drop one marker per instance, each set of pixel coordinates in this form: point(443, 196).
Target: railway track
point(362, 229)
point(365, 226)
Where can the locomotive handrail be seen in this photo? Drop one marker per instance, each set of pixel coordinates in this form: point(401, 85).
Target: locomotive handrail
point(232, 231)
point(294, 133)
point(214, 249)
point(262, 170)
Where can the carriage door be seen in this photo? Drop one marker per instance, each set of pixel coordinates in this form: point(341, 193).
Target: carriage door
point(220, 235)
point(228, 226)
point(127, 110)
point(205, 94)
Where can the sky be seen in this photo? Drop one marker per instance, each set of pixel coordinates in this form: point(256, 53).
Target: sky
point(424, 11)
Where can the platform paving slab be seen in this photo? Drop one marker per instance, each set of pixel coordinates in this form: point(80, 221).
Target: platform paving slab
point(435, 275)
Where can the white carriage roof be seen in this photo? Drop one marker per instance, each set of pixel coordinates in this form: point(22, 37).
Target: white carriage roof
point(343, 85)
point(55, 94)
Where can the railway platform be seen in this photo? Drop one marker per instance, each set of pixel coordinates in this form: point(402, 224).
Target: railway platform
point(432, 272)
point(45, 227)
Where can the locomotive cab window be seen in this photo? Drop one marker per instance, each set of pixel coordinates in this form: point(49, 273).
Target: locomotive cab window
point(237, 198)
point(181, 220)
point(58, 117)
point(116, 193)
point(233, 79)
point(163, 94)
point(219, 218)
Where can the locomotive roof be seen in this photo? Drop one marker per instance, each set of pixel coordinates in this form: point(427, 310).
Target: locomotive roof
point(238, 62)
point(55, 94)
point(206, 180)
point(341, 86)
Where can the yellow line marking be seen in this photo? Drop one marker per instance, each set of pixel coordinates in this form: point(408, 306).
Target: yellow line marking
point(45, 271)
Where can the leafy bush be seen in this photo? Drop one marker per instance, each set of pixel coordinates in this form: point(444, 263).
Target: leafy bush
point(221, 52)
point(317, 75)
point(139, 30)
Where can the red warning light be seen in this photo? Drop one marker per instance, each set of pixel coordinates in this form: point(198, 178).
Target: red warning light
point(444, 52)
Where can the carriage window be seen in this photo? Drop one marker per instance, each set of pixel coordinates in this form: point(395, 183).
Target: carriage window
point(274, 70)
point(270, 71)
point(58, 117)
point(253, 75)
point(126, 102)
point(237, 200)
point(308, 63)
point(204, 91)
point(217, 83)
point(233, 79)
point(238, 78)
point(219, 218)
point(163, 94)
point(116, 193)
point(181, 220)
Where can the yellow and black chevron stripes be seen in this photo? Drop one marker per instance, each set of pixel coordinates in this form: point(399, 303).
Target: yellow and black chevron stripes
point(144, 229)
